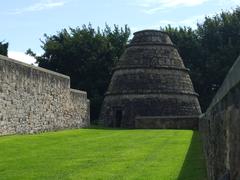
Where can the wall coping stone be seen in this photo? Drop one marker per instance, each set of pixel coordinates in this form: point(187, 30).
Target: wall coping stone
point(4, 58)
point(150, 30)
point(150, 44)
point(78, 91)
point(167, 117)
point(153, 93)
point(151, 67)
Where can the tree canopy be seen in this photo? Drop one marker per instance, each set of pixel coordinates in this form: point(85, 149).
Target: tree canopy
point(209, 51)
point(87, 56)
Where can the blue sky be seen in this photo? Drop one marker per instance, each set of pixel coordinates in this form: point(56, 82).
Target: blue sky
point(25, 22)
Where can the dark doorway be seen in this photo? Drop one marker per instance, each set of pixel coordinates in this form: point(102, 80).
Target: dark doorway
point(118, 118)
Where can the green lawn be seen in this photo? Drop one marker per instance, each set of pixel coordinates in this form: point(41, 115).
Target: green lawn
point(103, 154)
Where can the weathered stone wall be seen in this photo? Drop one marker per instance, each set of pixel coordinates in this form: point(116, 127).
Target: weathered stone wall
point(167, 122)
point(220, 129)
point(133, 105)
point(140, 80)
point(34, 99)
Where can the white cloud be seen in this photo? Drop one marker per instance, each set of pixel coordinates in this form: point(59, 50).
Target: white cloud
point(42, 5)
point(153, 6)
point(228, 2)
point(20, 56)
point(189, 22)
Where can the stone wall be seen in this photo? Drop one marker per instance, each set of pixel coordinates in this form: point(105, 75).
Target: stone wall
point(133, 105)
point(167, 122)
point(34, 99)
point(220, 129)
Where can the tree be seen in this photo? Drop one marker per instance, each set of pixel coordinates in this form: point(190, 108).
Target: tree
point(209, 51)
point(3, 48)
point(220, 43)
point(87, 56)
point(189, 46)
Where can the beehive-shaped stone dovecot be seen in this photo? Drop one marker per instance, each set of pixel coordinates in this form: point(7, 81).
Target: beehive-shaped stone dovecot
point(150, 84)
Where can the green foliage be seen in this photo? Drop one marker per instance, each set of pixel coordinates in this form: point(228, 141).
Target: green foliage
point(87, 56)
point(209, 51)
point(3, 48)
point(103, 154)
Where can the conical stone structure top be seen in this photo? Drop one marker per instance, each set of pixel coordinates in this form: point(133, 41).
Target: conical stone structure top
point(150, 80)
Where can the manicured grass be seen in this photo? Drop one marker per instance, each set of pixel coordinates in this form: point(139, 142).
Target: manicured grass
point(103, 154)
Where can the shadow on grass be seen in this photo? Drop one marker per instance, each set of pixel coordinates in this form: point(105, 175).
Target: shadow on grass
point(194, 167)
